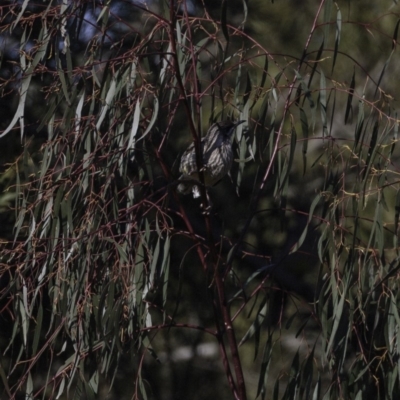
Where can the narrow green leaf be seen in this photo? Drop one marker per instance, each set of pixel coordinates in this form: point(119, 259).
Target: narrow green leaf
point(338, 33)
point(317, 390)
point(286, 172)
point(372, 149)
point(135, 125)
point(262, 379)
point(276, 390)
point(154, 261)
point(290, 320)
point(337, 314)
point(395, 134)
point(316, 63)
point(20, 14)
point(166, 254)
point(28, 73)
point(305, 89)
point(245, 12)
point(38, 329)
point(255, 327)
point(109, 100)
point(250, 279)
point(310, 216)
point(363, 371)
point(94, 383)
point(4, 379)
point(304, 127)
point(350, 97)
point(307, 375)
point(396, 216)
point(153, 118)
point(264, 72)
point(242, 158)
point(141, 384)
point(29, 387)
point(327, 18)
point(166, 62)
point(64, 85)
point(61, 387)
point(395, 33)
point(224, 10)
point(322, 102)
point(360, 122)
point(238, 93)
point(376, 233)
point(383, 71)
point(333, 111)
point(263, 110)
point(247, 92)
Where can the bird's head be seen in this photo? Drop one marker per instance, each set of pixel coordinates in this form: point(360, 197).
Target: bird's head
point(228, 127)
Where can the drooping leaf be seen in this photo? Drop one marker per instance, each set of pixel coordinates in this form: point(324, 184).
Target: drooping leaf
point(337, 38)
point(350, 98)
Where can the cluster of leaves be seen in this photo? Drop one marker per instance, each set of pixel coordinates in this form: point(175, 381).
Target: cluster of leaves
point(95, 277)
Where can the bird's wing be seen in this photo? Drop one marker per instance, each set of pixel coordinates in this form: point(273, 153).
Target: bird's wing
point(188, 164)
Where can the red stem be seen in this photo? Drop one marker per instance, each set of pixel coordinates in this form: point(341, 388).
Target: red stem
point(239, 391)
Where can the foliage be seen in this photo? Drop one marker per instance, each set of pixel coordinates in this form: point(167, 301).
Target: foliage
point(288, 272)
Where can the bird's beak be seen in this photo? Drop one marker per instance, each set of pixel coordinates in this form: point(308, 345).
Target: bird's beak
point(237, 123)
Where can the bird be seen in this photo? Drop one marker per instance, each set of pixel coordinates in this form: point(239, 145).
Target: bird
point(217, 154)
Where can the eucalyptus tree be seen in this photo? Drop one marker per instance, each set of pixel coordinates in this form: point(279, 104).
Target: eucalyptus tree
point(279, 282)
